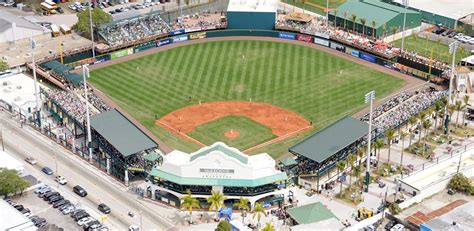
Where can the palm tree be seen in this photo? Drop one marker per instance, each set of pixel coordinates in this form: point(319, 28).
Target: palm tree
point(360, 154)
point(353, 19)
point(294, 3)
point(243, 204)
point(268, 227)
point(258, 210)
point(335, 17)
point(389, 135)
point(394, 30)
point(357, 171)
point(373, 28)
point(462, 50)
point(402, 137)
point(378, 144)
point(384, 28)
point(438, 106)
point(466, 103)
point(412, 121)
point(216, 201)
point(340, 167)
point(345, 19)
point(351, 158)
point(304, 5)
point(363, 21)
point(426, 125)
point(458, 106)
point(188, 203)
point(421, 118)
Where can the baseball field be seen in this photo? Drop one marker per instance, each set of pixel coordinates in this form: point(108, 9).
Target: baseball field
point(313, 87)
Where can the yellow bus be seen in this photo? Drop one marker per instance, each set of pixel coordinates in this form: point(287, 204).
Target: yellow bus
point(48, 8)
point(65, 29)
point(54, 30)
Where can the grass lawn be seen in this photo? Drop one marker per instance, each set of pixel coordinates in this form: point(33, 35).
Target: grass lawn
point(423, 46)
point(309, 5)
point(251, 132)
point(319, 86)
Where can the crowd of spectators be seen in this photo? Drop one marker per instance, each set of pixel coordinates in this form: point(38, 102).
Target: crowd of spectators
point(136, 161)
point(69, 102)
point(131, 30)
point(425, 60)
point(97, 102)
point(405, 109)
point(388, 105)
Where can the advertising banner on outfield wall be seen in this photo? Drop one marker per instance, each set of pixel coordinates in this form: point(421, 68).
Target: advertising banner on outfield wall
point(355, 53)
point(163, 42)
point(144, 46)
point(284, 35)
point(321, 35)
point(192, 29)
point(304, 38)
point(323, 42)
point(338, 46)
point(176, 32)
point(101, 59)
point(121, 53)
point(199, 35)
point(180, 38)
point(367, 57)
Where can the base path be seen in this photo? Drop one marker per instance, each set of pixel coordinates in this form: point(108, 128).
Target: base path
point(279, 120)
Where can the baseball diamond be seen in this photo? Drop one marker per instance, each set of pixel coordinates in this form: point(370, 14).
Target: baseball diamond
point(316, 85)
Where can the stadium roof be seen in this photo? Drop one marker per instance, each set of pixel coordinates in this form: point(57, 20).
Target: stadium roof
point(310, 213)
point(325, 143)
point(371, 10)
point(281, 176)
point(252, 6)
point(288, 161)
point(451, 9)
point(8, 19)
point(121, 133)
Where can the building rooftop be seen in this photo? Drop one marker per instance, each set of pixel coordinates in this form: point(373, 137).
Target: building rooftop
point(12, 219)
point(310, 213)
point(451, 9)
point(8, 18)
point(252, 6)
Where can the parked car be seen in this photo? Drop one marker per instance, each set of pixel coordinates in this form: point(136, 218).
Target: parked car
point(81, 215)
point(57, 204)
point(61, 180)
point(79, 191)
point(389, 225)
point(41, 188)
point(60, 10)
point(65, 206)
point(44, 192)
point(73, 214)
point(50, 194)
point(68, 209)
point(451, 192)
point(47, 171)
point(397, 227)
point(54, 199)
point(84, 220)
point(104, 208)
point(30, 160)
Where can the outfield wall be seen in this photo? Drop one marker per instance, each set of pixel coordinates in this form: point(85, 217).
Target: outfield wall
point(318, 39)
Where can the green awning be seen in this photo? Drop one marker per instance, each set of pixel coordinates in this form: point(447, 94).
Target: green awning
point(281, 176)
point(152, 156)
point(310, 213)
point(288, 161)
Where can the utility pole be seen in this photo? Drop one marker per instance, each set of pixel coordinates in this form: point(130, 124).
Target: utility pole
point(38, 106)
point(369, 98)
point(92, 30)
point(85, 75)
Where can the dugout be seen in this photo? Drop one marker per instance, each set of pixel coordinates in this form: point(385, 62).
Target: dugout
point(251, 14)
point(318, 153)
point(120, 146)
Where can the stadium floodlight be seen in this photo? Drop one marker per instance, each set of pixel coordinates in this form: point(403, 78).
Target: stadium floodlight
point(92, 30)
point(38, 106)
point(452, 50)
point(85, 75)
point(405, 4)
point(369, 98)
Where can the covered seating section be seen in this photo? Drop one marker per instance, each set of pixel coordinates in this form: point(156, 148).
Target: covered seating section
point(318, 153)
point(120, 146)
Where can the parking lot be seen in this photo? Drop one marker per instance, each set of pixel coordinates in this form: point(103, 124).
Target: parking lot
point(41, 208)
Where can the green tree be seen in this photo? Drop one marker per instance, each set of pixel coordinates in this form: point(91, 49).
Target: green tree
point(412, 121)
point(465, 99)
point(351, 159)
point(426, 125)
point(394, 208)
point(11, 183)
point(258, 210)
point(345, 19)
point(402, 137)
point(373, 28)
point(335, 17)
point(357, 171)
point(421, 117)
point(438, 106)
point(389, 135)
point(460, 183)
point(363, 21)
point(353, 19)
point(243, 204)
point(3, 66)
point(268, 227)
point(378, 144)
point(458, 106)
point(99, 17)
point(216, 201)
point(189, 203)
point(223, 226)
point(340, 167)
point(360, 153)
point(394, 30)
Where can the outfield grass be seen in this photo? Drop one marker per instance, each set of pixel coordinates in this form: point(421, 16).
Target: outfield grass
point(251, 132)
point(319, 86)
point(424, 46)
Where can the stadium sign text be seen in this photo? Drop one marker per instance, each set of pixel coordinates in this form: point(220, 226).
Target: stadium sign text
point(216, 173)
point(286, 35)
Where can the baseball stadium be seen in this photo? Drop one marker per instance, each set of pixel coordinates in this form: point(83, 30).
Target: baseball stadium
point(161, 82)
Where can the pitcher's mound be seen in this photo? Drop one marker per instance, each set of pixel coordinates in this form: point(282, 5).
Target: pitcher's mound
point(232, 134)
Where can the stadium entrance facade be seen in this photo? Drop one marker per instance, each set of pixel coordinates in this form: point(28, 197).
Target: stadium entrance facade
point(217, 168)
point(319, 153)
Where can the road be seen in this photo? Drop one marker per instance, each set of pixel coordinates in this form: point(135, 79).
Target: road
point(23, 142)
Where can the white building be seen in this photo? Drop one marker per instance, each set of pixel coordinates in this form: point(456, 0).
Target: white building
point(217, 168)
point(12, 220)
point(14, 28)
point(9, 162)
